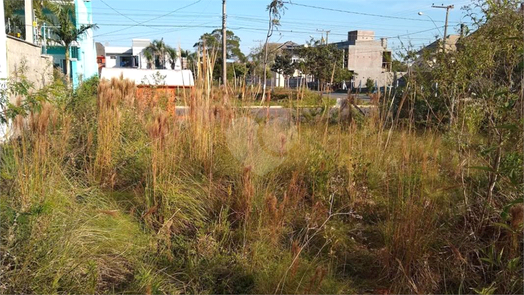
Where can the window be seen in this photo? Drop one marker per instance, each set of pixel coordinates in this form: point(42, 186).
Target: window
point(74, 52)
point(128, 61)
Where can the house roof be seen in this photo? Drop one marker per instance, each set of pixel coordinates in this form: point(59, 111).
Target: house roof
point(288, 45)
point(169, 78)
point(451, 44)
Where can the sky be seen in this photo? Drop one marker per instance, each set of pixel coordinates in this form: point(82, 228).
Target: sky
point(182, 22)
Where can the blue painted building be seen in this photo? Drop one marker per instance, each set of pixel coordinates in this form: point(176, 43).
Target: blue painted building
point(83, 52)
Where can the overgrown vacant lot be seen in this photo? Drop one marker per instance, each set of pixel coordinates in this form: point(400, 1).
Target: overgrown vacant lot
point(103, 193)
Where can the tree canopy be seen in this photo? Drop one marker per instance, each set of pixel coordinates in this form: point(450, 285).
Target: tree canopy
point(212, 41)
point(284, 64)
point(323, 62)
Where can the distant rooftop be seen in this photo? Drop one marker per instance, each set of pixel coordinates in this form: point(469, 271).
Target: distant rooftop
point(361, 35)
point(451, 44)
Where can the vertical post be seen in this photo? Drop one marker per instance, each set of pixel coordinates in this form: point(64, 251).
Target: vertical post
point(3, 50)
point(446, 29)
point(224, 44)
point(447, 7)
point(322, 40)
point(28, 11)
point(44, 45)
point(3, 71)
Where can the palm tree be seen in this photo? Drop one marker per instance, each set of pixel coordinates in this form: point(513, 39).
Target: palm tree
point(150, 58)
point(64, 30)
point(172, 55)
point(190, 59)
point(157, 48)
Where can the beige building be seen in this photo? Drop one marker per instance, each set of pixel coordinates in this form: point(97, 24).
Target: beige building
point(367, 58)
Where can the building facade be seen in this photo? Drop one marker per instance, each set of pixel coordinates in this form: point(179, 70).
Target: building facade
point(367, 58)
point(83, 62)
point(127, 57)
point(86, 66)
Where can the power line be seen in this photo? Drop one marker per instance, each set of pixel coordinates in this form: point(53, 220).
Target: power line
point(156, 32)
point(150, 14)
point(119, 12)
point(244, 28)
point(358, 13)
point(143, 25)
point(285, 22)
point(155, 18)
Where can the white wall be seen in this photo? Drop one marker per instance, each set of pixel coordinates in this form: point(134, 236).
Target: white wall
point(110, 63)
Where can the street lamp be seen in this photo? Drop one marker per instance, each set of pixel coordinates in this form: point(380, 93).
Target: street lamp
point(422, 13)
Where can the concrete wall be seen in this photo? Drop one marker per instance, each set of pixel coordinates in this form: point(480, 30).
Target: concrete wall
point(26, 57)
point(365, 59)
point(364, 56)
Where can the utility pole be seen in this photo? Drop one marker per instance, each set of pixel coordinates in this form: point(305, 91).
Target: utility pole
point(327, 35)
point(224, 44)
point(447, 7)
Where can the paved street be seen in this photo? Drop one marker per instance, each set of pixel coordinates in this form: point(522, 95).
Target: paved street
point(363, 97)
point(277, 111)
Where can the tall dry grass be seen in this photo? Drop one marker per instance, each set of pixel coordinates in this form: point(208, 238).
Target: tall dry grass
point(161, 204)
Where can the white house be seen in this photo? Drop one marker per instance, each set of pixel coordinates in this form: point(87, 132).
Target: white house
point(132, 57)
point(127, 57)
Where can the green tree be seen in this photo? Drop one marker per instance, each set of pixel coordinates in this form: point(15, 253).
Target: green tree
point(191, 58)
point(172, 56)
point(149, 58)
point(236, 70)
point(212, 42)
point(342, 74)
point(158, 50)
point(284, 65)
point(256, 59)
point(64, 30)
point(398, 66)
point(486, 66)
point(322, 62)
point(370, 85)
